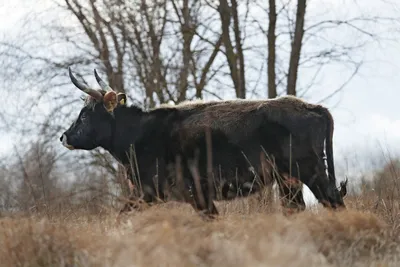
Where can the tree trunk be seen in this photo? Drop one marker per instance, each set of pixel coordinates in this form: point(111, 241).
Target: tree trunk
point(296, 48)
point(235, 59)
point(206, 69)
point(271, 50)
point(187, 34)
point(241, 92)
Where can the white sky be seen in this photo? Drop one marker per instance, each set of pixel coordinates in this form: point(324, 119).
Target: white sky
point(368, 111)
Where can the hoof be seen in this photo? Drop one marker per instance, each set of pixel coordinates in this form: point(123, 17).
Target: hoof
point(205, 215)
point(333, 206)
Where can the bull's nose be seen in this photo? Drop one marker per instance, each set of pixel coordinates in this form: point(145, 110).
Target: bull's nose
point(64, 142)
point(63, 138)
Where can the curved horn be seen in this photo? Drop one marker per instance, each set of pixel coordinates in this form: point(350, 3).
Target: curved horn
point(83, 87)
point(102, 84)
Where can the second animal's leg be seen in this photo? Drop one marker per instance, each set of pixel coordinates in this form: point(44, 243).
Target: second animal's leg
point(291, 194)
point(201, 202)
point(202, 193)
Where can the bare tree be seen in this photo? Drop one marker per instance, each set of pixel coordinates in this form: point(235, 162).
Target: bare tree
point(299, 42)
point(296, 47)
point(235, 57)
point(271, 50)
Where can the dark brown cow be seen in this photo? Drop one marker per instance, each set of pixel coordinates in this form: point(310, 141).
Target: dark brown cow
point(250, 141)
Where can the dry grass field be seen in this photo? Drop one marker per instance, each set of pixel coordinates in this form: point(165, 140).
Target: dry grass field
point(171, 234)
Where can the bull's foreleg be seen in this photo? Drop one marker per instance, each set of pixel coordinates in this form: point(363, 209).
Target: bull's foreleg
point(133, 204)
point(131, 201)
point(137, 204)
point(138, 200)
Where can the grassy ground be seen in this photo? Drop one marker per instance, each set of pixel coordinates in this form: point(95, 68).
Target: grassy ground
point(246, 234)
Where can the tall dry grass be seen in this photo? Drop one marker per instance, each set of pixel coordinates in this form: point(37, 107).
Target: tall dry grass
point(172, 234)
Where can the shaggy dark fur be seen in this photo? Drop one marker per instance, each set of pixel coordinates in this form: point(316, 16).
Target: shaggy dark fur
point(252, 141)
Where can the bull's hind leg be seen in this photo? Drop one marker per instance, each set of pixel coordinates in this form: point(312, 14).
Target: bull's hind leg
point(291, 194)
point(314, 176)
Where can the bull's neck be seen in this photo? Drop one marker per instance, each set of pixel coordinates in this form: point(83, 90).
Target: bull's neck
point(124, 133)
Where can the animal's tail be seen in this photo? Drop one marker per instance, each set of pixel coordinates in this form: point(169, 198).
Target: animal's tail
point(329, 151)
point(328, 145)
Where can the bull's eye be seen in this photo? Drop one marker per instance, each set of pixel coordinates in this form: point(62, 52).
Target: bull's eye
point(83, 117)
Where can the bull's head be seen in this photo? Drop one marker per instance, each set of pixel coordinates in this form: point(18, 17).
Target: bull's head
point(93, 127)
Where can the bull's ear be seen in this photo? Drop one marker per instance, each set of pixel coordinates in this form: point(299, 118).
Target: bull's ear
point(110, 101)
point(121, 97)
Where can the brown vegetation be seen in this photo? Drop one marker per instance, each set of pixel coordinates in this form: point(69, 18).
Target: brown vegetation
point(245, 234)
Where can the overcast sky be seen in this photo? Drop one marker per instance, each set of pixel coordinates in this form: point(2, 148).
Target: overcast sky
point(369, 109)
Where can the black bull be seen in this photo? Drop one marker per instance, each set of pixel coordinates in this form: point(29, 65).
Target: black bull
point(233, 144)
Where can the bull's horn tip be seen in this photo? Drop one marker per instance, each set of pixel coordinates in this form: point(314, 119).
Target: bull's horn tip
point(96, 75)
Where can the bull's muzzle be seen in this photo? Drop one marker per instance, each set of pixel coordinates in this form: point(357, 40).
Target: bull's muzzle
point(64, 142)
